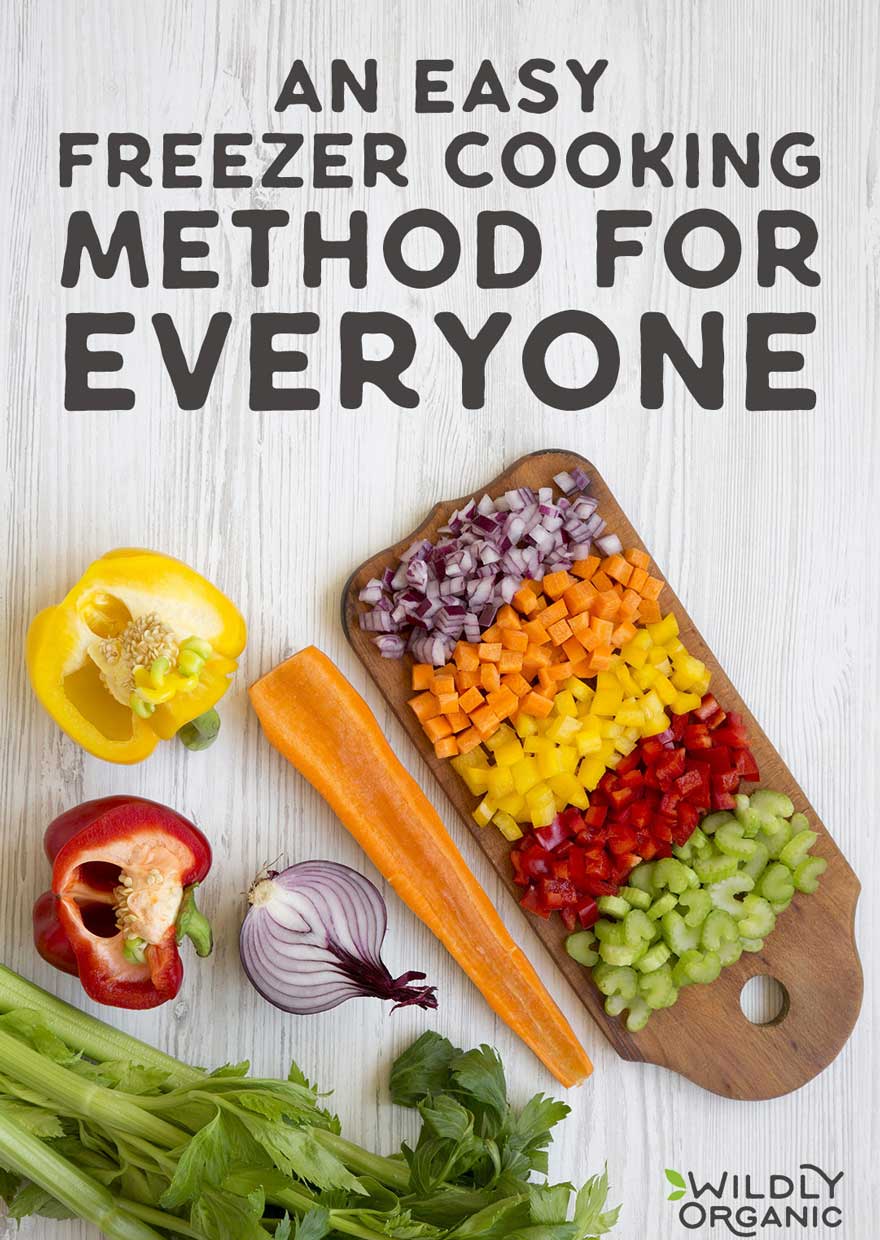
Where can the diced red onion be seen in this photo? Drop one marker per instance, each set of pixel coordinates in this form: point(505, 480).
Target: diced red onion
point(441, 592)
point(312, 938)
point(391, 646)
point(610, 544)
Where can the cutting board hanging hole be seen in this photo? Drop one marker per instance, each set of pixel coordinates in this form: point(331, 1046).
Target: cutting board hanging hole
point(764, 1001)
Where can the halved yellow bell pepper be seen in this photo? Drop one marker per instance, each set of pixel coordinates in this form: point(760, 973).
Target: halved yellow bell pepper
point(140, 646)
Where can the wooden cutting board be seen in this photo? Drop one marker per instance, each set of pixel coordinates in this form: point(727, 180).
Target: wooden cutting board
point(812, 952)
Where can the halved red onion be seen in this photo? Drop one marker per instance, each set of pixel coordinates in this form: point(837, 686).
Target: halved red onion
point(312, 939)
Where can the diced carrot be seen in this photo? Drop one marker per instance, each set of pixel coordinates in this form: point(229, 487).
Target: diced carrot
point(425, 706)
point(489, 652)
point(638, 579)
point(546, 681)
point(468, 680)
point(600, 660)
point(601, 581)
point(629, 604)
point(602, 628)
point(585, 568)
point(506, 619)
point(517, 684)
point(652, 588)
point(536, 633)
point(515, 639)
point(485, 720)
point(510, 661)
point(579, 623)
point(579, 597)
point(649, 611)
point(639, 559)
point(446, 748)
point(581, 668)
point(555, 584)
point(573, 649)
point(459, 721)
point(560, 671)
point(422, 676)
point(448, 702)
point(536, 704)
point(589, 638)
point(503, 702)
point(442, 685)
point(536, 656)
point(559, 632)
point(617, 568)
point(468, 740)
point(492, 634)
point(541, 604)
point(466, 657)
point(525, 601)
point(556, 611)
point(490, 677)
point(605, 605)
point(436, 729)
point(624, 633)
point(471, 700)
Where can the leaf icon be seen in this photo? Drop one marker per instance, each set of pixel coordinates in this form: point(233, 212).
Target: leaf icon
point(676, 1178)
point(676, 1196)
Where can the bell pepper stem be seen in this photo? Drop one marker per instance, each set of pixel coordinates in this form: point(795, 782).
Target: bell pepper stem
point(194, 925)
point(200, 733)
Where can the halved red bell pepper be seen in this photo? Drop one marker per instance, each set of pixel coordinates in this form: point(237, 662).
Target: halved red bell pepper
point(123, 881)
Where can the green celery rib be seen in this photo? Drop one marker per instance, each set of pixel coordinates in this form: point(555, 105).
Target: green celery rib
point(101, 1042)
point(86, 1033)
point(26, 1155)
point(84, 1097)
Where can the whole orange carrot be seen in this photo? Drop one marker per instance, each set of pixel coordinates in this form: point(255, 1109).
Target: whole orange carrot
point(313, 716)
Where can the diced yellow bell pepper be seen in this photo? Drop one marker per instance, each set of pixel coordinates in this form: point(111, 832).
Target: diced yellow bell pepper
point(507, 825)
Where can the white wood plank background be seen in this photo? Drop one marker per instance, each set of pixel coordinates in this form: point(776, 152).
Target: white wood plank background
point(762, 522)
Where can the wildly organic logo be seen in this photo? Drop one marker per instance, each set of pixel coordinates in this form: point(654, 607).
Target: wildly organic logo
point(780, 1201)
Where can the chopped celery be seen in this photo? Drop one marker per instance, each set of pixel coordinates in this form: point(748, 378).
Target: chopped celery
point(729, 953)
point(635, 897)
point(642, 877)
point(712, 822)
point(613, 980)
point(581, 947)
point(806, 874)
point(639, 1015)
point(698, 904)
point(615, 1005)
point(718, 928)
point(776, 883)
point(776, 804)
point(662, 906)
point(749, 819)
point(725, 892)
point(620, 956)
point(712, 869)
point(609, 932)
point(683, 918)
point(681, 975)
point(656, 988)
point(758, 918)
point(797, 848)
point(757, 863)
point(613, 906)
point(731, 840)
point(653, 958)
point(752, 945)
point(672, 874)
point(679, 936)
point(775, 836)
point(637, 928)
